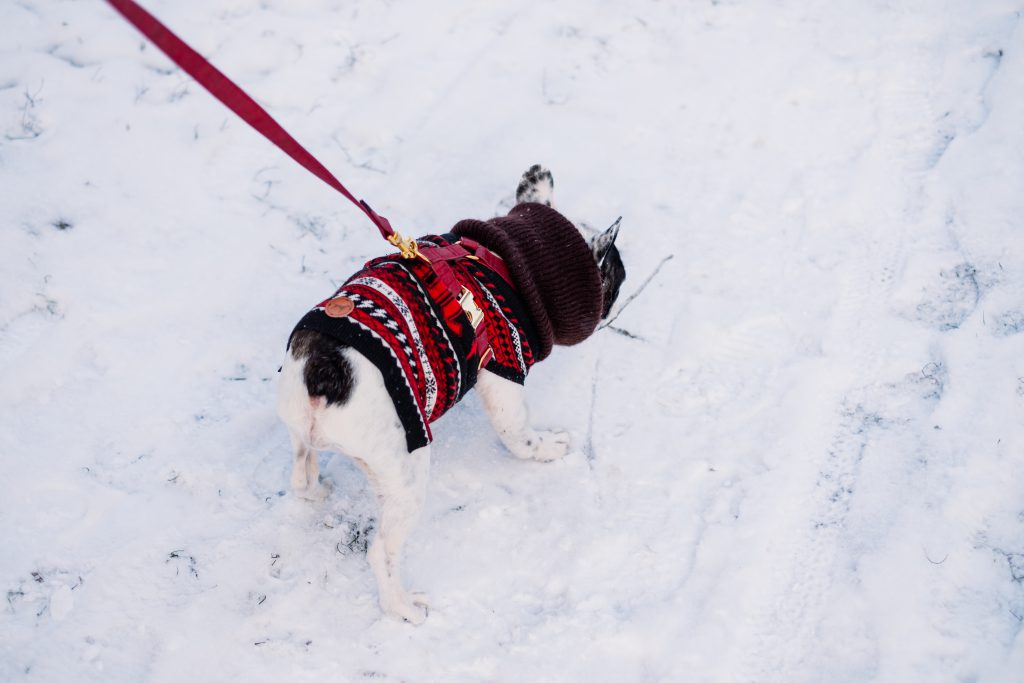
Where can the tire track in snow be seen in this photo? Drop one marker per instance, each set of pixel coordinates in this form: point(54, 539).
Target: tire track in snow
point(807, 539)
point(781, 641)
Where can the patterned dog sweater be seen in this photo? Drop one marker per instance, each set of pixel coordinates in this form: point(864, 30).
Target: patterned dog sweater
point(400, 315)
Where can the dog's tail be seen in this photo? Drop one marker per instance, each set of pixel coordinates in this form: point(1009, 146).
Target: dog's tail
point(316, 374)
point(327, 373)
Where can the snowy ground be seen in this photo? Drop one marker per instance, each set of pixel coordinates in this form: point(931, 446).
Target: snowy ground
point(804, 462)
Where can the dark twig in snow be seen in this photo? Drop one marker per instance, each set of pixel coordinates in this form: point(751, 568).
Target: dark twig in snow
point(181, 555)
point(31, 127)
point(13, 595)
point(637, 293)
point(625, 333)
point(366, 165)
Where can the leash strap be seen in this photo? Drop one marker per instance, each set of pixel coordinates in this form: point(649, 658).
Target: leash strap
point(235, 99)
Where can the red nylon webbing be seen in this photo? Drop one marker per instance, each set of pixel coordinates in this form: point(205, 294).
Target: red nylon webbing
point(235, 99)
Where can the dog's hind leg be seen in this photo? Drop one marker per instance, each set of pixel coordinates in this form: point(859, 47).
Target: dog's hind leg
point(505, 404)
point(305, 479)
point(367, 429)
point(299, 413)
point(400, 483)
point(302, 453)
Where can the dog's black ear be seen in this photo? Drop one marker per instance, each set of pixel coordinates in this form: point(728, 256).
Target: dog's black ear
point(609, 263)
point(600, 244)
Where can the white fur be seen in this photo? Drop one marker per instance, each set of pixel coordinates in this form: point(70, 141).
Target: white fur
point(367, 429)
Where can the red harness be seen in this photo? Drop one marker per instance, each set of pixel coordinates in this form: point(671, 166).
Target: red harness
point(438, 258)
point(235, 99)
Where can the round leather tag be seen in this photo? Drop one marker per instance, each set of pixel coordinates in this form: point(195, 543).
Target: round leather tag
point(339, 307)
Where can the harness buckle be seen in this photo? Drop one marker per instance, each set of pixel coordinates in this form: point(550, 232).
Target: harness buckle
point(471, 308)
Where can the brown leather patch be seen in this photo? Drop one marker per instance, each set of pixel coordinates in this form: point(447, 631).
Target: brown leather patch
point(339, 307)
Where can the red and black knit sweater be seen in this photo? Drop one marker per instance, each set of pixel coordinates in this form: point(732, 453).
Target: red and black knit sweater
point(401, 316)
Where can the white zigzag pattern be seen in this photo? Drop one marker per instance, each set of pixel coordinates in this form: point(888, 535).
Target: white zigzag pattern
point(365, 304)
point(429, 381)
point(450, 348)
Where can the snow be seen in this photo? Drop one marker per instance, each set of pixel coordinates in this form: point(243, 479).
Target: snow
point(802, 463)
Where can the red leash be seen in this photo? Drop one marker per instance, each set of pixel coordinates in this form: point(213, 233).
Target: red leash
point(235, 99)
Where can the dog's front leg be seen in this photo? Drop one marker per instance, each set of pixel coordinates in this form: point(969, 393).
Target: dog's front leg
point(400, 481)
point(505, 403)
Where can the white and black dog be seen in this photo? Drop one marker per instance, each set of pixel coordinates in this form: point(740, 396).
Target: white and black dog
point(335, 396)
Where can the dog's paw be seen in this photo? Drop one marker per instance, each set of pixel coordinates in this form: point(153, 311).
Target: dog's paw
point(298, 478)
point(536, 185)
point(412, 608)
point(547, 446)
point(421, 599)
point(316, 492)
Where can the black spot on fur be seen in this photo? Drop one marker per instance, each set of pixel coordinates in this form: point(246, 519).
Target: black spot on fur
point(327, 373)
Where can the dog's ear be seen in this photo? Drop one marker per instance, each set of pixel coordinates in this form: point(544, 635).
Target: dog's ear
point(609, 263)
point(601, 244)
point(536, 185)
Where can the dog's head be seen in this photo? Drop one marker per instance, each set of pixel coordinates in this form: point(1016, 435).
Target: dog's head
point(609, 263)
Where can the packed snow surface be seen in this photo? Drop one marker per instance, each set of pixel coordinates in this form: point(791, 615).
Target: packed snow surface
point(798, 451)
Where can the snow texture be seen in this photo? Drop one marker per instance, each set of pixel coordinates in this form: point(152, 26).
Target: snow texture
point(799, 450)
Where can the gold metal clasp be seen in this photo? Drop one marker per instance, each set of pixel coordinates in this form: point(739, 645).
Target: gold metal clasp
point(470, 307)
point(407, 246)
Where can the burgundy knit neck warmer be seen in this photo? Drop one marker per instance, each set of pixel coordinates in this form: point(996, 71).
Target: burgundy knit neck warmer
point(552, 267)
